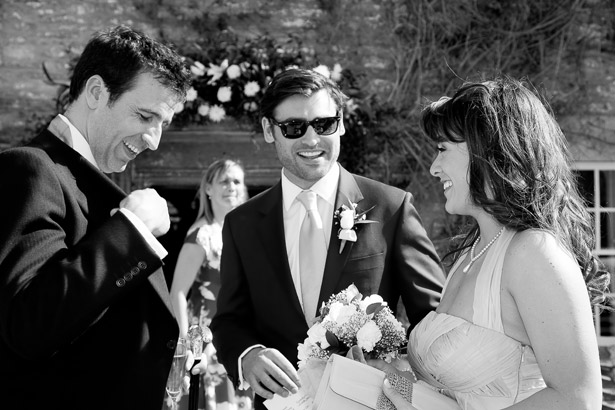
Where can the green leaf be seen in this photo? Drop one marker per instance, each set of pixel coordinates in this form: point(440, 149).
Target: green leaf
point(374, 308)
point(332, 339)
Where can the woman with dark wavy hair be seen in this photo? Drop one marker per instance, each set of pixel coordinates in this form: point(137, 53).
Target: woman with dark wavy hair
point(514, 328)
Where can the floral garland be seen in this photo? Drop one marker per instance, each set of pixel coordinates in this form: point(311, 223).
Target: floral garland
point(230, 76)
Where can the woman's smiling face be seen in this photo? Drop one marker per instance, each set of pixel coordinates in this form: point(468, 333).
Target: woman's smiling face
point(451, 166)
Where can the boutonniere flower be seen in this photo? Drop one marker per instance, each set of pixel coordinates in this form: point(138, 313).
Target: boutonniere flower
point(348, 219)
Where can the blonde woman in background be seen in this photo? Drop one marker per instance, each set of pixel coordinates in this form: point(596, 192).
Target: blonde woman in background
point(196, 280)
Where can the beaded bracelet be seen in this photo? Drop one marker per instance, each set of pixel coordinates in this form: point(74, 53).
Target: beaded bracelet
point(402, 385)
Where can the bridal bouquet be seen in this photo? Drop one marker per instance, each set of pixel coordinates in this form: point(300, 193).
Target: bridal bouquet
point(347, 320)
point(332, 367)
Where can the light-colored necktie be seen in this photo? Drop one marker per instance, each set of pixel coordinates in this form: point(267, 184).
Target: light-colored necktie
point(312, 254)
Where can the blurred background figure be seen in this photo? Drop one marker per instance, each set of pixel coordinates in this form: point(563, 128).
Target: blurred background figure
point(196, 280)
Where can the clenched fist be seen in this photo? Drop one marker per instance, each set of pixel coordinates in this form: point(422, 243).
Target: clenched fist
point(150, 208)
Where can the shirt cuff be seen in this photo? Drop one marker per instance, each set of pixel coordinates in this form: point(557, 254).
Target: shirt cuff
point(145, 233)
point(243, 384)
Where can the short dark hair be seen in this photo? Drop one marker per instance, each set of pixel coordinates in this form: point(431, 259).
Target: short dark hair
point(119, 55)
point(298, 81)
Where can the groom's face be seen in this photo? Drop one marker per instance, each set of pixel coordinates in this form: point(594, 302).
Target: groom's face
point(308, 158)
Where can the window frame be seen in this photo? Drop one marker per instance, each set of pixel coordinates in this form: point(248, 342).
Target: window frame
point(596, 209)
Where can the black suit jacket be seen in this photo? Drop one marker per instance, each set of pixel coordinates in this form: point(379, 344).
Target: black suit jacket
point(85, 317)
point(257, 303)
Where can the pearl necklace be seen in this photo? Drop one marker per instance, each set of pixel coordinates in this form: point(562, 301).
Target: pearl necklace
point(475, 258)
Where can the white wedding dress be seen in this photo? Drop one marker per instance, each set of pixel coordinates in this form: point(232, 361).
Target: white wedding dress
point(476, 363)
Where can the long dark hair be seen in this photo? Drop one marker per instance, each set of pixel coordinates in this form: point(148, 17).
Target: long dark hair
point(520, 167)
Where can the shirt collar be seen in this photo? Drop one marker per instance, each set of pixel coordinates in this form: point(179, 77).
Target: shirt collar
point(62, 128)
point(325, 187)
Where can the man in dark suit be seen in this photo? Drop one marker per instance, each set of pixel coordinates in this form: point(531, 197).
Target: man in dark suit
point(85, 315)
point(262, 311)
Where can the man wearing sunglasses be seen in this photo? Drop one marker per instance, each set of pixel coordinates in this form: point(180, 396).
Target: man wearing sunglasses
point(262, 312)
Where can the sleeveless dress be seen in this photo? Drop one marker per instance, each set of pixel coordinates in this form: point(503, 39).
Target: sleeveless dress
point(476, 363)
point(217, 391)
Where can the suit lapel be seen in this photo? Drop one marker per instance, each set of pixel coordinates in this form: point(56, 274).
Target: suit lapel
point(347, 192)
point(108, 194)
point(271, 228)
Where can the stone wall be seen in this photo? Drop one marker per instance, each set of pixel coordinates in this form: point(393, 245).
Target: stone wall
point(34, 33)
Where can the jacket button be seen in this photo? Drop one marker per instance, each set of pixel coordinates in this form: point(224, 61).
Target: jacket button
point(142, 265)
point(135, 271)
point(171, 344)
point(128, 276)
point(120, 282)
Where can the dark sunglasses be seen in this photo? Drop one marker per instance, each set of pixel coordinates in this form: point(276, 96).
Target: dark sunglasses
point(296, 128)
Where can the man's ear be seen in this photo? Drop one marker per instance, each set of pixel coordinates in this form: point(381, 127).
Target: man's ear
point(267, 130)
point(95, 92)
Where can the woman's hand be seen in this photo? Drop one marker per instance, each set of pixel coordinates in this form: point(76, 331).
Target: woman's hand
point(384, 366)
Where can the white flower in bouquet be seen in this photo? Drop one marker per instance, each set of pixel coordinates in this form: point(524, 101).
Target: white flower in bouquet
point(233, 71)
point(216, 113)
point(251, 88)
point(368, 336)
point(369, 300)
point(224, 94)
point(340, 314)
point(318, 334)
point(191, 94)
point(323, 69)
point(349, 320)
point(394, 323)
point(203, 110)
point(198, 69)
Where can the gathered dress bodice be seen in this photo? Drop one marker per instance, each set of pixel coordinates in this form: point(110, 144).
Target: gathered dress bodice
point(476, 363)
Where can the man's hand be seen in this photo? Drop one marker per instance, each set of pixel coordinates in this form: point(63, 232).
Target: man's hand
point(150, 208)
point(268, 372)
